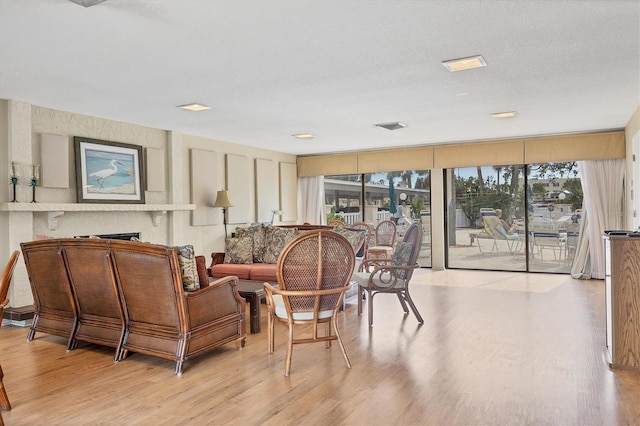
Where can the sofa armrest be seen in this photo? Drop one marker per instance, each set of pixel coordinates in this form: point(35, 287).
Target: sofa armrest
point(216, 258)
point(218, 301)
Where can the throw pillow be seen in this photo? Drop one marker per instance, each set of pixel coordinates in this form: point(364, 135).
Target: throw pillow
point(187, 262)
point(275, 240)
point(401, 255)
point(354, 237)
point(238, 250)
point(257, 233)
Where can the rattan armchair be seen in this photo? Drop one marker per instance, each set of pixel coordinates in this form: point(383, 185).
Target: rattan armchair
point(5, 281)
point(161, 318)
point(392, 275)
point(367, 232)
point(313, 274)
point(385, 234)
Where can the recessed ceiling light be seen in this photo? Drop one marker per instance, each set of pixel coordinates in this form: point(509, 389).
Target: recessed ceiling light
point(303, 136)
point(464, 63)
point(194, 107)
point(508, 114)
point(391, 126)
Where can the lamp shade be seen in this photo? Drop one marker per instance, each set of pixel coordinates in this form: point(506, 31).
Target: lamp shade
point(222, 200)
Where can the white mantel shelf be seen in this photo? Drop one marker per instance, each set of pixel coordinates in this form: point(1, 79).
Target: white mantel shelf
point(55, 210)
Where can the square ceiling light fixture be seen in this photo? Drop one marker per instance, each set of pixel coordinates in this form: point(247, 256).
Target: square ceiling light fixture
point(508, 114)
point(391, 126)
point(462, 64)
point(303, 136)
point(194, 107)
point(86, 3)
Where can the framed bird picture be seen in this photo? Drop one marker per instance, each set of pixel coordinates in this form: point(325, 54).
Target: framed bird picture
point(108, 172)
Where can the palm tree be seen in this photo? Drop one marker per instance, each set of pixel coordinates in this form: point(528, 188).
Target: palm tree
point(480, 182)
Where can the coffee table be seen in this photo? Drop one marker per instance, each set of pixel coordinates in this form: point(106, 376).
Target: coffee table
point(253, 293)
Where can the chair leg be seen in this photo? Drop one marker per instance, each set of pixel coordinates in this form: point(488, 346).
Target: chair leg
point(404, 305)
point(339, 338)
point(370, 306)
point(287, 363)
point(413, 306)
point(360, 295)
point(270, 332)
point(4, 399)
point(327, 331)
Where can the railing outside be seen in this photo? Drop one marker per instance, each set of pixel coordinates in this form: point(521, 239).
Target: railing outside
point(351, 218)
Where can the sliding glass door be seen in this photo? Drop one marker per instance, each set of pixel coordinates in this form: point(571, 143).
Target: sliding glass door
point(499, 220)
point(485, 218)
point(554, 197)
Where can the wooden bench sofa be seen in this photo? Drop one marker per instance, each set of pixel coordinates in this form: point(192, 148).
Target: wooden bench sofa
point(129, 296)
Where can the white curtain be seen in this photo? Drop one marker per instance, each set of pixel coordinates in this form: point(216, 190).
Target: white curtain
point(602, 186)
point(311, 200)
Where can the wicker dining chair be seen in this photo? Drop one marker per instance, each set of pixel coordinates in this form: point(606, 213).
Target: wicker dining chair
point(367, 232)
point(337, 222)
point(391, 275)
point(5, 281)
point(313, 274)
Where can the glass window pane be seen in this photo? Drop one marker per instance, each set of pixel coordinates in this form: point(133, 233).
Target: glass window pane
point(554, 195)
point(402, 196)
point(486, 218)
point(343, 196)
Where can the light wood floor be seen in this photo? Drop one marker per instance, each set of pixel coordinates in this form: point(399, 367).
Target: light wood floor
point(495, 348)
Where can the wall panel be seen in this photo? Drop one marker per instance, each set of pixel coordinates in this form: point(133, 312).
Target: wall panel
point(240, 189)
point(267, 194)
point(203, 191)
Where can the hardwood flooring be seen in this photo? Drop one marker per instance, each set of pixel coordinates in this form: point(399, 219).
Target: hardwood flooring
point(495, 349)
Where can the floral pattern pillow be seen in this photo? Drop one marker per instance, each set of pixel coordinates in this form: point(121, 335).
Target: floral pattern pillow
point(275, 240)
point(239, 250)
point(257, 233)
point(401, 255)
point(187, 262)
point(354, 237)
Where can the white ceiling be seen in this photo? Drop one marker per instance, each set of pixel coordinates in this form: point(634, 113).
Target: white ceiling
point(270, 69)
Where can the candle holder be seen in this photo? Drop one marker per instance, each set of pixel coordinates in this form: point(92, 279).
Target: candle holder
point(13, 179)
point(35, 175)
point(33, 184)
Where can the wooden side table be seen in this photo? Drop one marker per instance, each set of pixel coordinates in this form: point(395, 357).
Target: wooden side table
point(253, 293)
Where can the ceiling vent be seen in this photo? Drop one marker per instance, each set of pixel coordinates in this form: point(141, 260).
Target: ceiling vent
point(86, 3)
point(391, 126)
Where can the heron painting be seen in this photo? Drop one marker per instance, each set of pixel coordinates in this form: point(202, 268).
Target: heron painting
point(108, 171)
point(103, 174)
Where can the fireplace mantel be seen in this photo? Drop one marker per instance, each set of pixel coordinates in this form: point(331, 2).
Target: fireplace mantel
point(56, 210)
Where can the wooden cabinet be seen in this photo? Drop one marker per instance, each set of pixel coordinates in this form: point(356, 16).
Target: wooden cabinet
point(622, 292)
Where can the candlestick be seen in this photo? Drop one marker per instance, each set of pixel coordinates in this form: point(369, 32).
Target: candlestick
point(35, 174)
point(13, 179)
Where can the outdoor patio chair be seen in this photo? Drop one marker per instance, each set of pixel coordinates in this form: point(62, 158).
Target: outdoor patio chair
point(313, 274)
point(494, 231)
point(547, 237)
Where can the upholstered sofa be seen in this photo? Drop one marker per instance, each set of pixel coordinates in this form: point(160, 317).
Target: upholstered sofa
point(131, 296)
point(253, 253)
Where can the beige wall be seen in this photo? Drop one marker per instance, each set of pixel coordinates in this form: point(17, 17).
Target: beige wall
point(21, 129)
